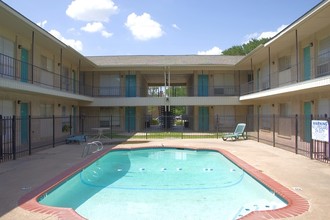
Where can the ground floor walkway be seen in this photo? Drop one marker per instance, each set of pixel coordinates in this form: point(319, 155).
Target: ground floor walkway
point(308, 178)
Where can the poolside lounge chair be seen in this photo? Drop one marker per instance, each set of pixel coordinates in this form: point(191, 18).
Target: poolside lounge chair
point(76, 138)
point(239, 132)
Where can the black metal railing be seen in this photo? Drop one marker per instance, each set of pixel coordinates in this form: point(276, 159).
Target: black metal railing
point(14, 69)
point(291, 75)
point(24, 136)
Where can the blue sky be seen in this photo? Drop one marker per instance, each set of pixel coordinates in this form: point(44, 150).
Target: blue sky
point(160, 27)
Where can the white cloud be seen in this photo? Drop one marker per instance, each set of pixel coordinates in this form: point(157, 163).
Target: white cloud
point(213, 51)
point(97, 27)
point(176, 26)
point(143, 27)
point(106, 34)
point(93, 27)
point(42, 23)
point(266, 34)
point(75, 44)
point(91, 10)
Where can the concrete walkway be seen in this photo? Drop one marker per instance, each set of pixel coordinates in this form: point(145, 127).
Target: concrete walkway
point(308, 178)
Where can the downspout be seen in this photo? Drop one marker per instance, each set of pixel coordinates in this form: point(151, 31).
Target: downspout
point(253, 83)
point(32, 58)
point(297, 55)
point(269, 68)
point(61, 54)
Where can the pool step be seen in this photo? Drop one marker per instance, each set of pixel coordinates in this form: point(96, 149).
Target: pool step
point(250, 207)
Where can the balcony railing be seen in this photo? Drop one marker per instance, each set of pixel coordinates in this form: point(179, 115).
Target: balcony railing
point(320, 66)
point(17, 70)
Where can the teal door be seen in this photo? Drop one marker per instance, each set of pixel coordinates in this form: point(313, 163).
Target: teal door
point(203, 119)
point(203, 85)
point(24, 64)
point(307, 63)
point(130, 86)
point(24, 111)
point(130, 119)
point(307, 125)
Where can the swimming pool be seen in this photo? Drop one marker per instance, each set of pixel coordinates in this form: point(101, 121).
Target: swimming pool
point(162, 183)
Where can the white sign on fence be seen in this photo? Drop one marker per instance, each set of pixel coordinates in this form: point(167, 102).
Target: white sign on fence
point(320, 130)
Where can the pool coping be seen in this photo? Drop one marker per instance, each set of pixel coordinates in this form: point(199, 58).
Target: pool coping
point(297, 205)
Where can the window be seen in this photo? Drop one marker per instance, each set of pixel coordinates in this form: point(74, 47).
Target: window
point(65, 79)
point(6, 58)
point(284, 63)
point(46, 110)
point(323, 67)
point(284, 110)
point(46, 77)
point(285, 121)
point(266, 117)
point(324, 107)
point(109, 85)
point(46, 123)
point(108, 115)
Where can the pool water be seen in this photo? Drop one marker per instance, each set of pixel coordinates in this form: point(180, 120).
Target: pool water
point(163, 183)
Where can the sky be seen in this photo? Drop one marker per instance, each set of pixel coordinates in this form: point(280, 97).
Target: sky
point(160, 27)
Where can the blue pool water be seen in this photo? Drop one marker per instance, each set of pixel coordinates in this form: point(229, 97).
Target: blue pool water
point(162, 184)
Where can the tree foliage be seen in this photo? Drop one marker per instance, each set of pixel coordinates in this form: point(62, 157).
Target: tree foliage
point(245, 48)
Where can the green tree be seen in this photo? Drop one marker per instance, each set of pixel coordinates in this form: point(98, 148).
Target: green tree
point(245, 48)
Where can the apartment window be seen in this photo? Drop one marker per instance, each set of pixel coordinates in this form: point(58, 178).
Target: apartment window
point(46, 76)
point(285, 121)
point(324, 107)
point(109, 85)
point(46, 110)
point(284, 63)
point(65, 79)
point(6, 58)
point(323, 67)
point(266, 117)
point(109, 115)
point(284, 110)
point(46, 123)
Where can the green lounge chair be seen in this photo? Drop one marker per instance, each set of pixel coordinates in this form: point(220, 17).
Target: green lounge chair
point(239, 132)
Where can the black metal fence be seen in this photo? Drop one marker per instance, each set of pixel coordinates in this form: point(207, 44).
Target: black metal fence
point(23, 136)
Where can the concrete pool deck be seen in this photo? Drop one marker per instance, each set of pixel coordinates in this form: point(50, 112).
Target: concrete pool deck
point(308, 178)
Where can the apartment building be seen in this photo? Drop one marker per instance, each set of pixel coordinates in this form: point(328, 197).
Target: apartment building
point(290, 75)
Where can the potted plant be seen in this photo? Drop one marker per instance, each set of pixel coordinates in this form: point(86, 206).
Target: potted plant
point(66, 128)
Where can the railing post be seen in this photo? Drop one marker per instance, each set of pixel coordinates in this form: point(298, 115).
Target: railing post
point(13, 128)
point(53, 130)
point(30, 134)
point(311, 140)
point(296, 134)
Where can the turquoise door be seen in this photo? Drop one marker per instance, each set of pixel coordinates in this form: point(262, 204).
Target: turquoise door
point(307, 63)
point(24, 111)
point(307, 125)
point(130, 86)
point(24, 64)
point(203, 119)
point(130, 119)
point(203, 85)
